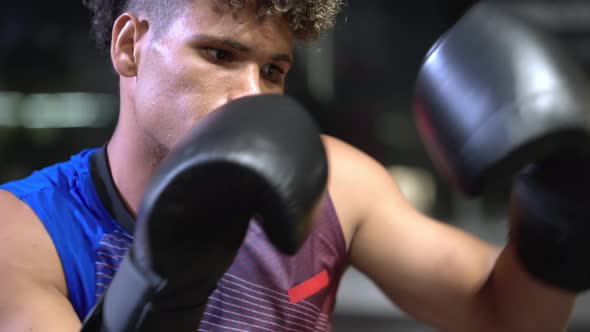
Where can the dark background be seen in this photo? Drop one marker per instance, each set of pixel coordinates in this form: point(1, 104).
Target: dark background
point(58, 95)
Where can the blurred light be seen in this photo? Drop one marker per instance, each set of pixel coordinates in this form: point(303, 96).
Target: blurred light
point(417, 185)
point(396, 129)
point(9, 104)
point(59, 110)
point(320, 67)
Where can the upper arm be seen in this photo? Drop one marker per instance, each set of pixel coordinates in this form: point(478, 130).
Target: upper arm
point(430, 269)
point(33, 295)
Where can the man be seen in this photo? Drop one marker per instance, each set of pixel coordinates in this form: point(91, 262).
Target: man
point(177, 62)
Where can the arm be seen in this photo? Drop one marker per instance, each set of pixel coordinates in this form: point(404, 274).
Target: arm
point(32, 285)
point(435, 272)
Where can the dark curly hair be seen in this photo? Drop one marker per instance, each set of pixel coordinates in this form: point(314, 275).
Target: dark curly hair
point(307, 18)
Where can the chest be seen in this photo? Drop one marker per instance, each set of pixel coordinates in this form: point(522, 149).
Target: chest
point(263, 290)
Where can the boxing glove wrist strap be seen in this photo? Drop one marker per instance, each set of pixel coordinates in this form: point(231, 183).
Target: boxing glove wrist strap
point(550, 227)
point(131, 305)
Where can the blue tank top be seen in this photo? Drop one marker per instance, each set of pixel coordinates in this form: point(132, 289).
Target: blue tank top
point(83, 231)
point(264, 290)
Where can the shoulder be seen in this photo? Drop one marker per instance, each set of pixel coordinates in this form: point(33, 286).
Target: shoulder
point(350, 168)
point(344, 157)
point(33, 288)
point(357, 183)
point(46, 210)
point(26, 249)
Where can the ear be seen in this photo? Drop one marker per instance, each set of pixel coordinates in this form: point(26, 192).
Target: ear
point(127, 32)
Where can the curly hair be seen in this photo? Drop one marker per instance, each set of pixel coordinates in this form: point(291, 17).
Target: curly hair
point(307, 18)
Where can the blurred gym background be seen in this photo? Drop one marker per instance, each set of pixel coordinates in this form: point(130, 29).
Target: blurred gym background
point(59, 95)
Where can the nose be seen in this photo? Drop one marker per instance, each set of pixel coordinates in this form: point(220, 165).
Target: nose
point(247, 83)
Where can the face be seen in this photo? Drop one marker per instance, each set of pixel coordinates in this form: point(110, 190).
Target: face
point(206, 57)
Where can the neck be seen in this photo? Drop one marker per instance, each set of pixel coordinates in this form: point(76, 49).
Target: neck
point(133, 157)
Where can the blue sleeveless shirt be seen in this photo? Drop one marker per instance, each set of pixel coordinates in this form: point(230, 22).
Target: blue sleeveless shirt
point(85, 234)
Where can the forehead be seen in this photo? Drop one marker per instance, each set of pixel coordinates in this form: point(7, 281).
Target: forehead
point(208, 17)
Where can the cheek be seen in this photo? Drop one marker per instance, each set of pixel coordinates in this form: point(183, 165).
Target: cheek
point(160, 101)
point(172, 95)
point(198, 88)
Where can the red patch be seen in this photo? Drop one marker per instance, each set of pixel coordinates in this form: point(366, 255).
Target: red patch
point(309, 287)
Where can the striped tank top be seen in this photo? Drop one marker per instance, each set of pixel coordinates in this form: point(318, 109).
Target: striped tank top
point(263, 290)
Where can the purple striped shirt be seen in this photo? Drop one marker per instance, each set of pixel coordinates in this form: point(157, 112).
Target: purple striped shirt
point(263, 290)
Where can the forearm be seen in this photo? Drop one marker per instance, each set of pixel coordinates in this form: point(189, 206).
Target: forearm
point(512, 300)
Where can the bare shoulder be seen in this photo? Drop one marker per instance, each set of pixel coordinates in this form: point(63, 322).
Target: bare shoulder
point(26, 248)
point(356, 182)
point(33, 292)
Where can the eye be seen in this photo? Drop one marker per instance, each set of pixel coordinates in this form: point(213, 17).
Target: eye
point(218, 55)
point(272, 72)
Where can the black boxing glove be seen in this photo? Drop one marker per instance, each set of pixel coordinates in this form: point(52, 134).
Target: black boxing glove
point(496, 98)
point(495, 94)
point(550, 219)
point(257, 155)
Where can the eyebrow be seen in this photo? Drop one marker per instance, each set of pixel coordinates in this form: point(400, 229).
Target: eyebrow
point(236, 45)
